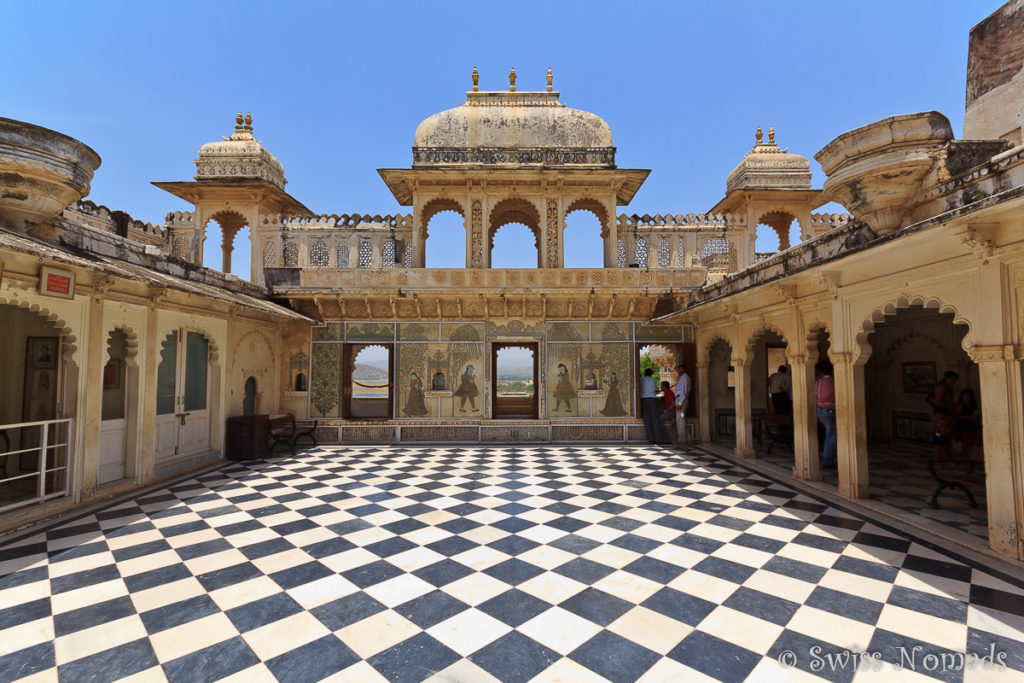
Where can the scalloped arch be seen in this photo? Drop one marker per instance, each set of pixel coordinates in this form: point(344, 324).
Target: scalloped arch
point(893, 306)
point(63, 328)
point(436, 206)
point(716, 337)
point(193, 326)
point(594, 207)
point(131, 342)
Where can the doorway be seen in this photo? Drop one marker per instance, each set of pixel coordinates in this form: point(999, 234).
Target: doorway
point(514, 385)
point(368, 387)
point(182, 396)
point(114, 425)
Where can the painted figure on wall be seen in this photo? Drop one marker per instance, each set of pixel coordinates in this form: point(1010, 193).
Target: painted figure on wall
point(613, 404)
point(414, 404)
point(564, 390)
point(467, 390)
point(437, 383)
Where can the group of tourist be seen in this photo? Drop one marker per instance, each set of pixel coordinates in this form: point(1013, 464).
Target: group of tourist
point(671, 406)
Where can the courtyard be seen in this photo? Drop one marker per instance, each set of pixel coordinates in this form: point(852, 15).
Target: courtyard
point(500, 562)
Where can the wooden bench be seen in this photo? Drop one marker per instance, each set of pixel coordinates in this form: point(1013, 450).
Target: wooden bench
point(958, 473)
point(285, 431)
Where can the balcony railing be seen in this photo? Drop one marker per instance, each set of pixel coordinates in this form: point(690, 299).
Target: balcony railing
point(34, 459)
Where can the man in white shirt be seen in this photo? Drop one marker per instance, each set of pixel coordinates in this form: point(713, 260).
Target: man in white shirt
point(683, 386)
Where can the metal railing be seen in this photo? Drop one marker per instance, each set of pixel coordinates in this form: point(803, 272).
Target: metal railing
point(42, 451)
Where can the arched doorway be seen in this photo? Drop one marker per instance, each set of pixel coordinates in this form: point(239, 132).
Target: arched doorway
point(583, 239)
point(369, 387)
point(249, 396)
point(182, 396)
point(39, 380)
point(442, 236)
point(912, 351)
point(118, 425)
point(514, 386)
point(515, 211)
point(722, 393)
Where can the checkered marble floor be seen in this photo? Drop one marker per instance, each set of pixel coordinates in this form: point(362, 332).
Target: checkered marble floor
point(898, 476)
point(466, 563)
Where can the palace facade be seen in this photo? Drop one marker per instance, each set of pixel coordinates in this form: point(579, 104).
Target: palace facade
point(124, 356)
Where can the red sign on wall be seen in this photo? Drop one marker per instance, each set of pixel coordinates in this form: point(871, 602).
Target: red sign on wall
point(54, 282)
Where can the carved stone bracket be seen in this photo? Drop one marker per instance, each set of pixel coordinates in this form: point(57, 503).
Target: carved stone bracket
point(995, 353)
point(971, 237)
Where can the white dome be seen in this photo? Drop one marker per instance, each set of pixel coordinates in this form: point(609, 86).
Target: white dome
point(513, 129)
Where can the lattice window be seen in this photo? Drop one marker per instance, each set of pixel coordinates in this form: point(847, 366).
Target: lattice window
point(682, 252)
point(183, 246)
point(664, 253)
point(270, 255)
point(388, 257)
point(365, 254)
point(641, 252)
point(319, 256)
point(718, 255)
point(343, 254)
point(291, 255)
point(620, 260)
point(408, 256)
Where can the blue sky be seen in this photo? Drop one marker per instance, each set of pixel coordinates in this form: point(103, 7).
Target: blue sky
point(337, 89)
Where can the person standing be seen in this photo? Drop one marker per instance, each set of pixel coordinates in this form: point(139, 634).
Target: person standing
point(779, 386)
point(649, 405)
point(669, 413)
point(683, 386)
point(825, 401)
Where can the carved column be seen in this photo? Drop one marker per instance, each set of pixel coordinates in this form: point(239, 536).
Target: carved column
point(1001, 401)
point(851, 425)
point(744, 420)
point(476, 236)
point(551, 233)
point(147, 397)
point(703, 402)
point(805, 419)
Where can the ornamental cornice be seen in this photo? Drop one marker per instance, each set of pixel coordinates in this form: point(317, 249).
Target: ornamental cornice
point(995, 353)
point(519, 156)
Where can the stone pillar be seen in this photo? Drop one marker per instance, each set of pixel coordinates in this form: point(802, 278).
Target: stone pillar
point(93, 409)
point(805, 419)
point(1001, 401)
point(851, 425)
point(147, 397)
point(744, 420)
point(703, 402)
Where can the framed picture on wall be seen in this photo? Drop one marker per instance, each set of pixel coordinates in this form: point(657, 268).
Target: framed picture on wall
point(919, 378)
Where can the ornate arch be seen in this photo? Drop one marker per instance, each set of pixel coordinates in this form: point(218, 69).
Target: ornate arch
point(192, 326)
point(903, 301)
point(593, 206)
point(716, 337)
point(436, 206)
point(514, 210)
point(67, 335)
point(230, 223)
point(131, 339)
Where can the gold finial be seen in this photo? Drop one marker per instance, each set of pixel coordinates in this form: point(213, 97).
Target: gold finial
point(771, 134)
point(476, 80)
point(758, 135)
point(550, 79)
point(248, 121)
point(512, 80)
point(238, 119)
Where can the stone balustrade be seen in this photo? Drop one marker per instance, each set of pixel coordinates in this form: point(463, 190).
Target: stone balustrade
point(102, 218)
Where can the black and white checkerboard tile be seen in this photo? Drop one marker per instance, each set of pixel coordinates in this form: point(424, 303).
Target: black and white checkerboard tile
point(572, 563)
point(898, 476)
